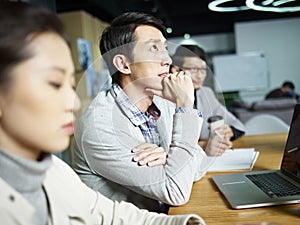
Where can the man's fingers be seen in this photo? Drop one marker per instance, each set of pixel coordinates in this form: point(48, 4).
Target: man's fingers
point(143, 146)
point(160, 161)
point(151, 157)
point(150, 152)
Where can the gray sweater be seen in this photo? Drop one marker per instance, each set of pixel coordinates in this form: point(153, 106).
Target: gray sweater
point(26, 177)
point(104, 138)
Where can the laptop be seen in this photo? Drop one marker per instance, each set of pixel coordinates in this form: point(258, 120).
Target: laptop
point(268, 187)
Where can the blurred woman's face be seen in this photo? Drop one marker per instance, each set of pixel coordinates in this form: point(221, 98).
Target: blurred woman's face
point(36, 114)
point(197, 69)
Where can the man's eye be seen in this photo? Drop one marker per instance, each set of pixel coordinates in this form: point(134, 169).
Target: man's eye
point(154, 48)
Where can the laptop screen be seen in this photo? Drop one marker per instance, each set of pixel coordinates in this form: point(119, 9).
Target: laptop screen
point(291, 158)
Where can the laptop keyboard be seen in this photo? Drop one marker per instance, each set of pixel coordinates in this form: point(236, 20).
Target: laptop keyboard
point(274, 185)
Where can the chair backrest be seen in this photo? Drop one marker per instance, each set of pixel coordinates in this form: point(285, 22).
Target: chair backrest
point(265, 123)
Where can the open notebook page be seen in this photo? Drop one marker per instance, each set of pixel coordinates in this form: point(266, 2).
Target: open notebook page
point(237, 159)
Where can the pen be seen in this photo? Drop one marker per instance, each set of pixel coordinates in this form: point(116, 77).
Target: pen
point(218, 134)
point(292, 150)
point(222, 136)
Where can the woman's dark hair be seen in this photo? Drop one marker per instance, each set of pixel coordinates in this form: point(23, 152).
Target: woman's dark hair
point(187, 51)
point(18, 22)
point(119, 37)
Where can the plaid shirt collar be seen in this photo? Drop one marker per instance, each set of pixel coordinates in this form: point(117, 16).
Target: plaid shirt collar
point(135, 115)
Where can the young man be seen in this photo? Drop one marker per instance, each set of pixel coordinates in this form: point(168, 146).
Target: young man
point(192, 58)
point(138, 141)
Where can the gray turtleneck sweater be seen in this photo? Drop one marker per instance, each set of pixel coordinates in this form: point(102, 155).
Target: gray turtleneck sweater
point(26, 177)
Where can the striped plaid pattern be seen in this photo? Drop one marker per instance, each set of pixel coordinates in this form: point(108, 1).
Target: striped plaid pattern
point(145, 121)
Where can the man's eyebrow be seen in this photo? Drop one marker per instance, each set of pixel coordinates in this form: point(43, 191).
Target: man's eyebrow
point(156, 41)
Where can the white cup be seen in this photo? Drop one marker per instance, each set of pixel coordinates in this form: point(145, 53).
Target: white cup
point(215, 122)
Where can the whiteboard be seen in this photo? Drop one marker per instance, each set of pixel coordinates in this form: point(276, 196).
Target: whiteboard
point(241, 72)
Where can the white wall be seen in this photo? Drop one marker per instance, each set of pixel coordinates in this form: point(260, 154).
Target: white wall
point(210, 43)
point(223, 42)
point(280, 40)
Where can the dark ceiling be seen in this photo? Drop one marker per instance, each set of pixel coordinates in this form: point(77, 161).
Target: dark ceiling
point(185, 16)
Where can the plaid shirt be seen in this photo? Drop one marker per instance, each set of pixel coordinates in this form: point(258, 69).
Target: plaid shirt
point(145, 121)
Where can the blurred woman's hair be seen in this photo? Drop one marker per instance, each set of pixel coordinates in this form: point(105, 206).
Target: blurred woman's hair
point(36, 20)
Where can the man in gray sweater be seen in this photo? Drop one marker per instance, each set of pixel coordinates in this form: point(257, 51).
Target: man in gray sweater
point(120, 138)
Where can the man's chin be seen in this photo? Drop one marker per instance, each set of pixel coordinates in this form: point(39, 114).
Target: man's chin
point(154, 83)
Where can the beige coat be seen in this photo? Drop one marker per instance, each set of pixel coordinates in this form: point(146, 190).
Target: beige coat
point(72, 202)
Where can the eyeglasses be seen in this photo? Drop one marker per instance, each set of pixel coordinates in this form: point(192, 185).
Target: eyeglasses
point(195, 69)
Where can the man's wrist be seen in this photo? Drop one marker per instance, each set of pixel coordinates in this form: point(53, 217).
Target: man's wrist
point(188, 110)
point(186, 104)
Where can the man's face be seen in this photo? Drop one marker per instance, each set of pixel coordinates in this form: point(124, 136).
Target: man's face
point(151, 59)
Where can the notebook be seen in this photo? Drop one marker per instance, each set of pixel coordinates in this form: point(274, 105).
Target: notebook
point(268, 187)
point(230, 160)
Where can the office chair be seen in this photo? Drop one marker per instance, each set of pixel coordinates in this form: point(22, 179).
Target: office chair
point(264, 124)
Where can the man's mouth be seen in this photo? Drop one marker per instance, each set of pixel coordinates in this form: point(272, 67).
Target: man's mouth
point(163, 75)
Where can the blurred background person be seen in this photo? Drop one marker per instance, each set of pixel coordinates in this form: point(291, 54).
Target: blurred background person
point(192, 58)
point(287, 90)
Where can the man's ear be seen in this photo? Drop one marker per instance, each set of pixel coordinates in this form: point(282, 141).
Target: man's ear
point(174, 69)
point(121, 63)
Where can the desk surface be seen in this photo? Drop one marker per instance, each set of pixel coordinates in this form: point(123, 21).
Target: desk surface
point(209, 203)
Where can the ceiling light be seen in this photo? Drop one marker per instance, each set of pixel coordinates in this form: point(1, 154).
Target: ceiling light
point(266, 5)
point(273, 8)
point(169, 30)
point(187, 36)
point(281, 2)
point(214, 6)
point(267, 2)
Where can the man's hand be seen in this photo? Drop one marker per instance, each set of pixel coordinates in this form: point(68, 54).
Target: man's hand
point(149, 154)
point(177, 88)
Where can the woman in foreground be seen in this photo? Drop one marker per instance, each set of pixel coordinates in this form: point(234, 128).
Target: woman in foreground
point(37, 102)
